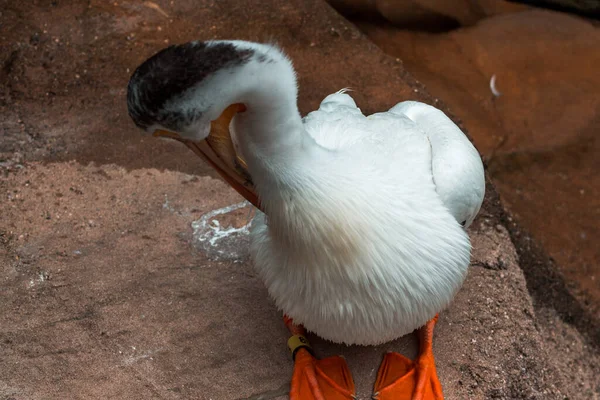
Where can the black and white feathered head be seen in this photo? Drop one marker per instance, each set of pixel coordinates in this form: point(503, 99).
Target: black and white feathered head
point(184, 87)
point(237, 95)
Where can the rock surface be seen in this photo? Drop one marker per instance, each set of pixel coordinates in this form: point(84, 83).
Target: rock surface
point(105, 296)
point(425, 15)
point(106, 292)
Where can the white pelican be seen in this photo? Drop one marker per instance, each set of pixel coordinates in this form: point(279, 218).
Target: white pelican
point(361, 238)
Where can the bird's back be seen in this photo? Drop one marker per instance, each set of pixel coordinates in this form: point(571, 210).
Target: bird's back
point(398, 139)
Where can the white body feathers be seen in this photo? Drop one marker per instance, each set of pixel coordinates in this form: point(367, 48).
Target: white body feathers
point(369, 247)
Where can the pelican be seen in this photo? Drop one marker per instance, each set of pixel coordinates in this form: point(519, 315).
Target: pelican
point(360, 233)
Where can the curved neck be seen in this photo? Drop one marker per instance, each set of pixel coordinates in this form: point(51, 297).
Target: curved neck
point(270, 134)
point(268, 131)
point(275, 146)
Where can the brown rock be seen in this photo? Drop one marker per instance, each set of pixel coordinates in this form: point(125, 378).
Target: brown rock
point(426, 15)
point(127, 308)
point(587, 8)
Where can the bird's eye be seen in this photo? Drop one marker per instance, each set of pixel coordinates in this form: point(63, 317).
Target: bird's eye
point(464, 222)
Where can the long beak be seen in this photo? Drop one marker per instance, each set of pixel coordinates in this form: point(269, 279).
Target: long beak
point(219, 152)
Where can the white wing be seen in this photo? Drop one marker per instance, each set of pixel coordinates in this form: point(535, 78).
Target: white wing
point(456, 164)
point(456, 167)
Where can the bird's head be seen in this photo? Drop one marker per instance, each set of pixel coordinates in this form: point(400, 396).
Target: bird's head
point(162, 95)
point(192, 92)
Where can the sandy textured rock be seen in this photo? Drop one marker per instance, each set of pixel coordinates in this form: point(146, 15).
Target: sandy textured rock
point(105, 296)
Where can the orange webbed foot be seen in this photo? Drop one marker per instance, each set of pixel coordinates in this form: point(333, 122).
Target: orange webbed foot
point(326, 379)
point(400, 378)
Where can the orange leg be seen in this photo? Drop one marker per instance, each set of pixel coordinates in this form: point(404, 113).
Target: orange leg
point(313, 379)
point(293, 328)
point(426, 372)
point(400, 378)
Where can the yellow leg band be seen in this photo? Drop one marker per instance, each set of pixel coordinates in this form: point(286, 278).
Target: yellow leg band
point(297, 341)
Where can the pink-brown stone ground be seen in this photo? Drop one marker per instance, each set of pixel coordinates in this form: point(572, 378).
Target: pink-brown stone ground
point(105, 291)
